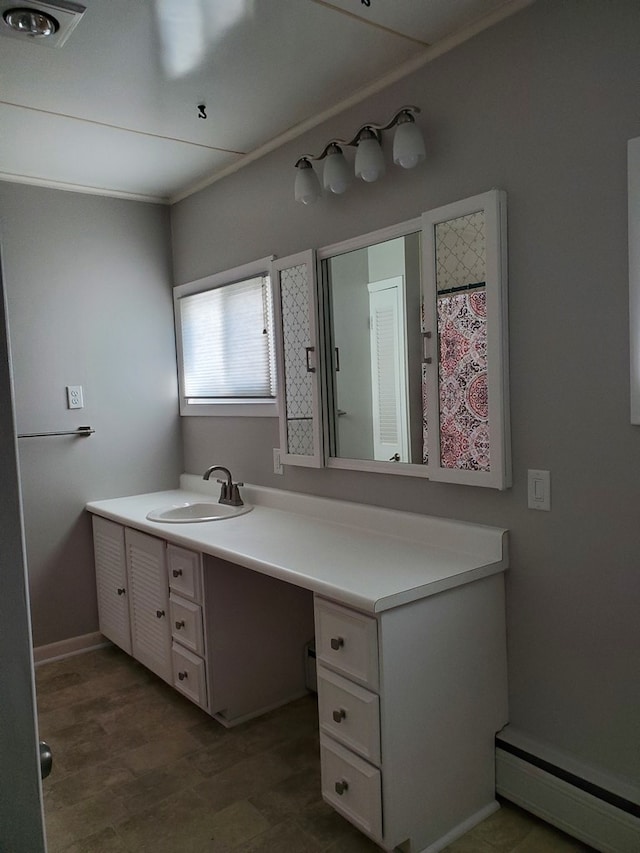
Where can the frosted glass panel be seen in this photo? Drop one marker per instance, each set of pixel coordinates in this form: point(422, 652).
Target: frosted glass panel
point(294, 297)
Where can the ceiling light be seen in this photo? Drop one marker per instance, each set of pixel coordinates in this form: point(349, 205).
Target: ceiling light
point(31, 22)
point(42, 22)
point(408, 151)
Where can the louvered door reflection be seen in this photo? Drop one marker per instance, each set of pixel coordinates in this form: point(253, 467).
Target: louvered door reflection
point(149, 593)
point(388, 371)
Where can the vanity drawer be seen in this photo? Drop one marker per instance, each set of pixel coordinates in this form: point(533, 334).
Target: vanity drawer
point(347, 641)
point(186, 623)
point(185, 572)
point(352, 786)
point(189, 675)
point(350, 714)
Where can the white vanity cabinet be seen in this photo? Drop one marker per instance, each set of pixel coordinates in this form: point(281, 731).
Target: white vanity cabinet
point(408, 614)
point(112, 582)
point(189, 668)
point(202, 624)
point(133, 600)
point(409, 703)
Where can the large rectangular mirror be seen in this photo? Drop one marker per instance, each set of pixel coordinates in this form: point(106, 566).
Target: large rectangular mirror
point(415, 346)
point(373, 312)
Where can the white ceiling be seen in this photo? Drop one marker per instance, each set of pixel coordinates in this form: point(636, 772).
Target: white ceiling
point(114, 110)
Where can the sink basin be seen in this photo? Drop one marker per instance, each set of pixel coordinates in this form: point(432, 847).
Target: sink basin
point(194, 511)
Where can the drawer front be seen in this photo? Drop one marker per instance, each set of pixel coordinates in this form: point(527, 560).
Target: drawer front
point(350, 714)
point(352, 787)
point(189, 675)
point(347, 641)
point(185, 573)
point(186, 624)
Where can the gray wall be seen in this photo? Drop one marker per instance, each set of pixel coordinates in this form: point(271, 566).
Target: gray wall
point(542, 106)
point(88, 284)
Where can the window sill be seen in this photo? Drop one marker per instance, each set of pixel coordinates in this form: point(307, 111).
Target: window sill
point(232, 409)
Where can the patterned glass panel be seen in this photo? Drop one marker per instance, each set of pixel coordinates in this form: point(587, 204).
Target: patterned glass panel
point(464, 400)
point(294, 296)
point(462, 343)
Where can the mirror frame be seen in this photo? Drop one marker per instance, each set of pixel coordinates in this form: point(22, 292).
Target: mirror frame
point(493, 203)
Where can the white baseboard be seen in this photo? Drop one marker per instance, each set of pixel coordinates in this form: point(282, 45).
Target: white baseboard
point(68, 648)
point(582, 815)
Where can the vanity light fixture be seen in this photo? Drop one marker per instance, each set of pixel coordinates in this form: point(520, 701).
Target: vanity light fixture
point(408, 151)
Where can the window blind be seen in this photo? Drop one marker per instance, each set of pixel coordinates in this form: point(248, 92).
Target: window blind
point(227, 342)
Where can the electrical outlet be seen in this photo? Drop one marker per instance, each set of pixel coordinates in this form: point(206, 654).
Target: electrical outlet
point(74, 397)
point(277, 464)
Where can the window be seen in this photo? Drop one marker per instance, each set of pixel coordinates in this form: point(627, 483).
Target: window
point(225, 340)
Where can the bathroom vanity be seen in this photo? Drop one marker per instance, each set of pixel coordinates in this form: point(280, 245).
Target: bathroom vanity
point(409, 621)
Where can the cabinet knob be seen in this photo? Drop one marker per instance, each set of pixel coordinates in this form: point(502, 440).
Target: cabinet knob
point(180, 624)
point(337, 643)
point(159, 613)
point(339, 715)
point(341, 786)
point(183, 675)
point(177, 573)
point(121, 590)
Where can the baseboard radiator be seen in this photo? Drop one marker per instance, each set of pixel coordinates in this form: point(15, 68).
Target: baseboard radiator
point(597, 811)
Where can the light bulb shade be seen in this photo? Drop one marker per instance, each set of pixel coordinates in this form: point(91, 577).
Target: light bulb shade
point(408, 145)
point(337, 174)
point(369, 158)
point(307, 185)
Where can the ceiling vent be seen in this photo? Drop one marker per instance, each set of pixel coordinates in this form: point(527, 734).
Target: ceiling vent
point(47, 23)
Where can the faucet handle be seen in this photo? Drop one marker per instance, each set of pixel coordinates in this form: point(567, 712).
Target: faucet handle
point(237, 484)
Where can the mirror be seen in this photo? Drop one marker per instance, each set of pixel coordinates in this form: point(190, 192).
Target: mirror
point(373, 324)
point(415, 346)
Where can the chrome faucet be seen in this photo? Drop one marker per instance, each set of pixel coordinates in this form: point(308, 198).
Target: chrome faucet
point(229, 491)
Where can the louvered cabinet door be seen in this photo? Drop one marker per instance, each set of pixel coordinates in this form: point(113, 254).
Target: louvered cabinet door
point(111, 582)
point(149, 602)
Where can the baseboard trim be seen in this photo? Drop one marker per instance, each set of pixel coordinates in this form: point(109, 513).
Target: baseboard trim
point(554, 797)
point(69, 648)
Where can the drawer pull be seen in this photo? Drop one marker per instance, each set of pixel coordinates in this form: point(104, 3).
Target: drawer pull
point(339, 715)
point(159, 613)
point(341, 786)
point(183, 675)
point(177, 573)
point(180, 624)
point(121, 590)
point(337, 643)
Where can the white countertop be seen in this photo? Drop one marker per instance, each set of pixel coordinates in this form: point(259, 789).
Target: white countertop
point(365, 557)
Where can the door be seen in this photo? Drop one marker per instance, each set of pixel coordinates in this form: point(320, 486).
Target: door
point(21, 815)
point(149, 602)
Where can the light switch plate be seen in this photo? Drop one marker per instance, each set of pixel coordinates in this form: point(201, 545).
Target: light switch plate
point(539, 489)
point(277, 464)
